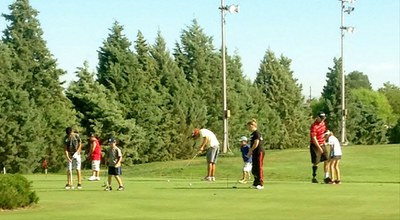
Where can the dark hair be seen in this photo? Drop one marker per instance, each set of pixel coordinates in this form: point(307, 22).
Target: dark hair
point(68, 130)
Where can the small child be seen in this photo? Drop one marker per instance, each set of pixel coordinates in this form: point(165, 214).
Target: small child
point(247, 166)
point(95, 157)
point(336, 155)
point(113, 159)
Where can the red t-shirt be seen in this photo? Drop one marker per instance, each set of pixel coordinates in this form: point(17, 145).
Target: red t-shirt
point(317, 129)
point(96, 155)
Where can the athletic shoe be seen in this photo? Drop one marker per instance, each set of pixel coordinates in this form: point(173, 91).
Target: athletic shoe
point(242, 181)
point(108, 188)
point(207, 178)
point(92, 178)
point(67, 186)
point(338, 182)
point(79, 186)
point(121, 188)
point(259, 187)
point(213, 178)
point(314, 180)
point(327, 180)
point(97, 178)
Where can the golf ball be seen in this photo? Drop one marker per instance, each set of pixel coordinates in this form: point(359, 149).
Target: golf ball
point(167, 180)
point(190, 184)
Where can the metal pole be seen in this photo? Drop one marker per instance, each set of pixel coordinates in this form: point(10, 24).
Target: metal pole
point(343, 132)
point(225, 110)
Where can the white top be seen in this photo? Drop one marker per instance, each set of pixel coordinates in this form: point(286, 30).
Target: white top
point(334, 142)
point(212, 140)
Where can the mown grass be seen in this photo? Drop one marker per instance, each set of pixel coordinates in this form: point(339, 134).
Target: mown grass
point(370, 190)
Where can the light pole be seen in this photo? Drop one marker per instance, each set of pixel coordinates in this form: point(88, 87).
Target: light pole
point(226, 113)
point(343, 28)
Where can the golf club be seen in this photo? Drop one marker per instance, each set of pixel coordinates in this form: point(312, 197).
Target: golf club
point(105, 177)
point(190, 161)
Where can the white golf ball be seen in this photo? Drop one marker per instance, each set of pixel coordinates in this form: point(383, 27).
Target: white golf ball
point(190, 184)
point(167, 180)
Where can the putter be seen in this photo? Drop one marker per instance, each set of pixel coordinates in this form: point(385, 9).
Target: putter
point(190, 161)
point(105, 177)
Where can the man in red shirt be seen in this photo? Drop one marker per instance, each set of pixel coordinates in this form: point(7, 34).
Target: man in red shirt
point(317, 146)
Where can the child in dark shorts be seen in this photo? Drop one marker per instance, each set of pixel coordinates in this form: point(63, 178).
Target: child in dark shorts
point(113, 159)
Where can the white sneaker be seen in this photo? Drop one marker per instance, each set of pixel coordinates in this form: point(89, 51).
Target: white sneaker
point(259, 187)
point(92, 178)
point(97, 178)
point(213, 178)
point(207, 178)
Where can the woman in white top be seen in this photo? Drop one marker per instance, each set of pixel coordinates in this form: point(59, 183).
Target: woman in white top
point(336, 155)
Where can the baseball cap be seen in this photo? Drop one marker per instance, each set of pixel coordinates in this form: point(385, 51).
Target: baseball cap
point(321, 115)
point(195, 132)
point(111, 140)
point(243, 138)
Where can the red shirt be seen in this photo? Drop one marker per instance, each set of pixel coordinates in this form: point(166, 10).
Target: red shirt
point(96, 154)
point(317, 130)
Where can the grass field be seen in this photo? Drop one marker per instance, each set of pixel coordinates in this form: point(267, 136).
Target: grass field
point(370, 190)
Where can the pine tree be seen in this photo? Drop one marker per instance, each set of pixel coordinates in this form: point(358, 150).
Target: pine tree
point(331, 94)
point(100, 113)
point(177, 101)
point(39, 75)
point(283, 95)
point(197, 57)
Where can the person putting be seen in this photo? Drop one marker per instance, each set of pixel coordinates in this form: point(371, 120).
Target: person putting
point(206, 140)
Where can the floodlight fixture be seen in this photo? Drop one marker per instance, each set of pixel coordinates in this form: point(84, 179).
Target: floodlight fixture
point(349, 10)
point(233, 9)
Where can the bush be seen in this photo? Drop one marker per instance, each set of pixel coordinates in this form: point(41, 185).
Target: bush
point(15, 192)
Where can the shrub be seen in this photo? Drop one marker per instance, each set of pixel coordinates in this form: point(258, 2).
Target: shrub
point(15, 192)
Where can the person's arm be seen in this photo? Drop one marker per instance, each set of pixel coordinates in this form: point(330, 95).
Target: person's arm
point(203, 144)
point(253, 147)
point(92, 147)
point(78, 151)
point(319, 148)
point(67, 153)
point(118, 163)
point(314, 139)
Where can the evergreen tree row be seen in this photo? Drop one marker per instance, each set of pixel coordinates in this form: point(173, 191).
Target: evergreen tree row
point(150, 98)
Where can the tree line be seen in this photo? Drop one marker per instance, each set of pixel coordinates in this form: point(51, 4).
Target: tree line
point(151, 98)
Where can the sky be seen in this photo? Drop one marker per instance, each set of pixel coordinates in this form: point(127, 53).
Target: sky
point(307, 32)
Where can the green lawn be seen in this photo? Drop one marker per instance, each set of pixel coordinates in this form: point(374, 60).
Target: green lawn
point(370, 190)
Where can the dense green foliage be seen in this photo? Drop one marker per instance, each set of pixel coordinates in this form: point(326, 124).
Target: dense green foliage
point(16, 192)
point(150, 99)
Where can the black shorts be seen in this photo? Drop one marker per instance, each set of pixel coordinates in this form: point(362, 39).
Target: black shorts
point(116, 171)
point(313, 150)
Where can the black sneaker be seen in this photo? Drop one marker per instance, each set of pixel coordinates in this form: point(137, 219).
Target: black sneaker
point(108, 188)
point(338, 182)
point(121, 188)
point(327, 180)
point(314, 180)
point(67, 186)
point(79, 186)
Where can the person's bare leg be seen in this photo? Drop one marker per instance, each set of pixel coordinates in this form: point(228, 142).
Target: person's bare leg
point(79, 175)
point(119, 180)
point(337, 170)
point(213, 167)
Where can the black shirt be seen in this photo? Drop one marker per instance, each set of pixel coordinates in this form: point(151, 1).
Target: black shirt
point(254, 136)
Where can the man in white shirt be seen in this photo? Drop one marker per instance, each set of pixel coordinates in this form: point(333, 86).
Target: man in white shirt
point(206, 140)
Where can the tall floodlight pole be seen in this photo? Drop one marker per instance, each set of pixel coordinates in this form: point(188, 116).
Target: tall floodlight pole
point(226, 113)
point(343, 28)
